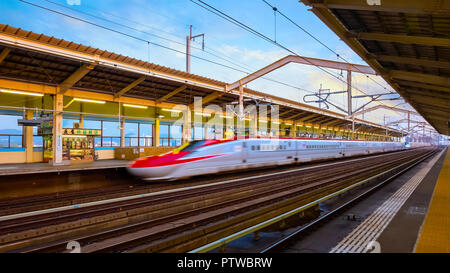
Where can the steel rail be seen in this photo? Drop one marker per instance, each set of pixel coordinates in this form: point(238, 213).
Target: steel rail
point(382, 163)
point(132, 242)
point(125, 198)
point(280, 243)
point(223, 241)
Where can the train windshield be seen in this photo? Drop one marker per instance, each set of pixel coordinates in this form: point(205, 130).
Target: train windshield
point(191, 146)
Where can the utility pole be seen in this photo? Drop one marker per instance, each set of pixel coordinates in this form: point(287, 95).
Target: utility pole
point(349, 92)
point(190, 38)
point(409, 121)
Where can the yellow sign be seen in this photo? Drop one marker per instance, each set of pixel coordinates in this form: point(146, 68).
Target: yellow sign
point(82, 132)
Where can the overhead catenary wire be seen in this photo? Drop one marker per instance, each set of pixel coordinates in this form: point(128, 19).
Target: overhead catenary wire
point(253, 31)
point(129, 35)
point(147, 41)
point(322, 43)
point(247, 70)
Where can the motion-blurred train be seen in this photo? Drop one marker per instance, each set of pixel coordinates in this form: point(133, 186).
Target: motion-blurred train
point(214, 156)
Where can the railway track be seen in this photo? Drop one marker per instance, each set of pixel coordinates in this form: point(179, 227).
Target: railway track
point(69, 198)
point(182, 219)
point(306, 229)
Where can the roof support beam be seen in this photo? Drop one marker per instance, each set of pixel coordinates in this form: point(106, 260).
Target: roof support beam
point(397, 38)
point(425, 86)
point(75, 77)
point(414, 61)
point(129, 87)
point(209, 98)
point(333, 122)
point(406, 6)
point(429, 93)
point(306, 118)
point(287, 112)
point(419, 77)
point(326, 121)
point(4, 54)
point(300, 60)
point(295, 116)
point(423, 99)
point(171, 94)
point(315, 120)
point(406, 120)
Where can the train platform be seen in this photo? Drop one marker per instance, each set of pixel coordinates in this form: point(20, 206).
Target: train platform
point(435, 232)
point(410, 214)
point(40, 168)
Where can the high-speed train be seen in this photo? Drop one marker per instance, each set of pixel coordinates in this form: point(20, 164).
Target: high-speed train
point(213, 156)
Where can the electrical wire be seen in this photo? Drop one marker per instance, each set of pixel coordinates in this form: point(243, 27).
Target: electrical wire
point(322, 43)
point(152, 43)
point(253, 31)
point(129, 35)
point(173, 41)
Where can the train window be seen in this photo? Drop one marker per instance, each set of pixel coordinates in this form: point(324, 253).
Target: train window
point(253, 147)
point(192, 145)
point(258, 147)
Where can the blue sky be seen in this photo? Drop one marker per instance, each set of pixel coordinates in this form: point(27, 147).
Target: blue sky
point(171, 19)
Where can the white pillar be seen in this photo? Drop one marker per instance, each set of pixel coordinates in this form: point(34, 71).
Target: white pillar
point(57, 127)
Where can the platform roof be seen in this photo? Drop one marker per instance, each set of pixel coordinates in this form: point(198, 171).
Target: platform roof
point(406, 41)
point(26, 56)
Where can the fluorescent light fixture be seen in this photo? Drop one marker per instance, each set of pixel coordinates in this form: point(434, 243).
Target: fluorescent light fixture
point(74, 136)
point(160, 116)
point(307, 126)
point(261, 120)
point(288, 124)
point(226, 116)
point(171, 110)
point(203, 114)
point(275, 122)
point(87, 100)
point(21, 93)
point(135, 106)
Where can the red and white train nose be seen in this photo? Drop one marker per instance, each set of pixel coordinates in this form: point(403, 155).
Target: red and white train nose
point(155, 167)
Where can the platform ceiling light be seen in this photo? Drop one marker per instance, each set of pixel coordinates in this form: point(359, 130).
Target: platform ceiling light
point(160, 116)
point(172, 110)
point(135, 106)
point(92, 101)
point(203, 114)
point(288, 124)
point(261, 120)
point(73, 136)
point(21, 93)
point(275, 122)
point(226, 116)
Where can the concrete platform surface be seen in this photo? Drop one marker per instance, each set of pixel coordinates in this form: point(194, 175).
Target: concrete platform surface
point(435, 232)
point(36, 168)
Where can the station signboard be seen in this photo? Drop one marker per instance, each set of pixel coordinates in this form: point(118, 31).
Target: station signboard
point(82, 132)
point(45, 128)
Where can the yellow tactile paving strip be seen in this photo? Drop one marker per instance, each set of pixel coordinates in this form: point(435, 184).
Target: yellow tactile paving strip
point(435, 233)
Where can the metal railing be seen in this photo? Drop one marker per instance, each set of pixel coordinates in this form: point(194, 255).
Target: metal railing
point(5, 141)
